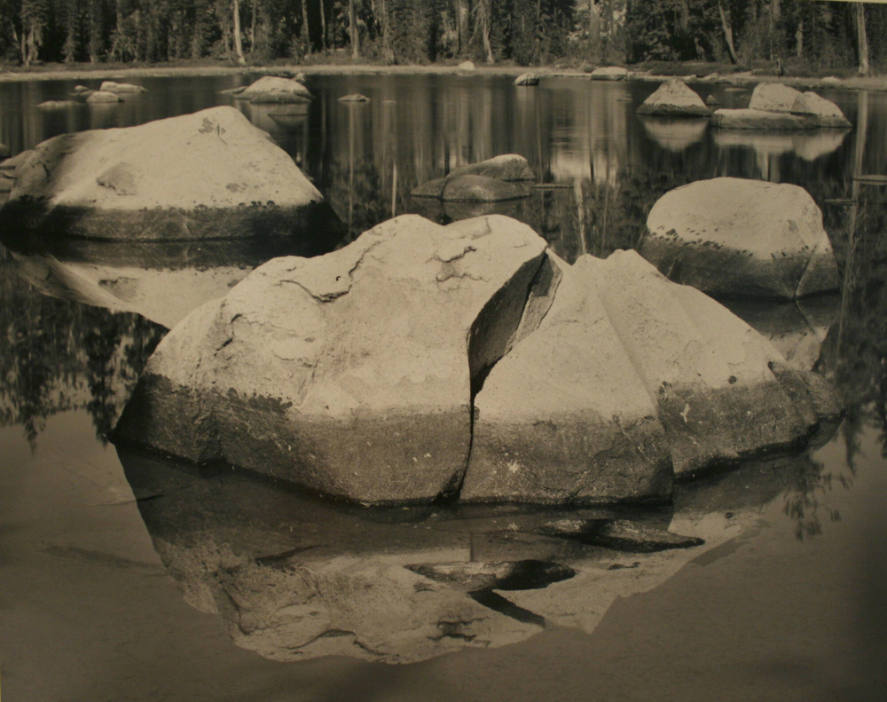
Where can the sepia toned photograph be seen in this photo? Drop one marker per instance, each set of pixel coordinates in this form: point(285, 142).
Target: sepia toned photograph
point(443, 350)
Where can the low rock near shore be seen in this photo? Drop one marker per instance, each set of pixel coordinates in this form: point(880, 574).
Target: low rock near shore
point(609, 73)
point(103, 97)
point(274, 89)
point(210, 174)
point(738, 237)
point(527, 79)
point(49, 105)
point(674, 98)
point(111, 86)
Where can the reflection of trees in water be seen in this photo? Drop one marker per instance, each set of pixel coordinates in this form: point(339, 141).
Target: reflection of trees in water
point(61, 355)
point(807, 501)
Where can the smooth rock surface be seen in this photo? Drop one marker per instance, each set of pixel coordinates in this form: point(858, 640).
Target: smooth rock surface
point(825, 112)
point(210, 174)
point(674, 99)
point(628, 377)
point(773, 97)
point(275, 89)
point(564, 416)
point(349, 373)
point(739, 237)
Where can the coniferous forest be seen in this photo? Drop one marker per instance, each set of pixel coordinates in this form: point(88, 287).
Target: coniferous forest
point(791, 34)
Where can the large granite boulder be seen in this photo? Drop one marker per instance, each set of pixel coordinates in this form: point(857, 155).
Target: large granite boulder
point(628, 377)
point(275, 89)
point(210, 174)
point(674, 98)
point(738, 237)
point(350, 373)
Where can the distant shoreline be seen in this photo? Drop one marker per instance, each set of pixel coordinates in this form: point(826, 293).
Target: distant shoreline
point(741, 78)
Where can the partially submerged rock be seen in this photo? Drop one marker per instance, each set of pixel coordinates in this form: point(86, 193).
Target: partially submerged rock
point(275, 89)
point(103, 97)
point(744, 118)
point(111, 86)
point(732, 236)
point(627, 377)
point(50, 105)
point(466, 66)
point(773, 97)
point(674, 99)
point(527, 79)
point(470, 188)
point(210, 174)
point(368, 356)
point(609, 73)
point(491, 180)
point(777, 106)
point(354, 97)
point(510, 167)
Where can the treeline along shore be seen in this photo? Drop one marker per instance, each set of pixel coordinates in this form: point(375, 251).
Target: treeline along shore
point(785, 36)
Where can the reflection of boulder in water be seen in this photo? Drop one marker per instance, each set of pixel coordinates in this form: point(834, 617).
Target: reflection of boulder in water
point(444, 212)
point(674, 134)
point(295, 578)
point(797, 329)
point(808, 145)
point(162, 282)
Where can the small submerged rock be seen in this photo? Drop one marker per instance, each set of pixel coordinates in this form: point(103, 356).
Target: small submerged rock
point(527, 79)
point(354, 97)
point(103, 97)
point(274, 89)
point(111, 86)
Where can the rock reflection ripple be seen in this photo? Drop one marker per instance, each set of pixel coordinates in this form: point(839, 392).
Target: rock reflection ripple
point(295, 577)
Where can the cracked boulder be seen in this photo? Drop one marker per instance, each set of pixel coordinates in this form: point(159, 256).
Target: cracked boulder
point(745, 238)
point(210, 174)
point(350, 373)
point(627, 379)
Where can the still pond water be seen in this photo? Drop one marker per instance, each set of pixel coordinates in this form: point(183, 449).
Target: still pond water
point(124, 576)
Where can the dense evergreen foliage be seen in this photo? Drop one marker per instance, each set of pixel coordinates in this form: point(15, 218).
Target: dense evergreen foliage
point(814, 34)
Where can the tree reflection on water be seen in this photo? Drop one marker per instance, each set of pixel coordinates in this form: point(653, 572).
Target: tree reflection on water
point(63, 355)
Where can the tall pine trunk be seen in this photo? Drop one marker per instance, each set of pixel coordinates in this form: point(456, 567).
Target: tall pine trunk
point(238, 46)
point(728, 33)
point(862, 41)
point(352, 23)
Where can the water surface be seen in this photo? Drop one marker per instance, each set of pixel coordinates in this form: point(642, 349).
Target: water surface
point(117, 567)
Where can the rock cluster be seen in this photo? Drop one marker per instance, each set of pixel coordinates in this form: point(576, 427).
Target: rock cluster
point(779, 107)
point(422, 361)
